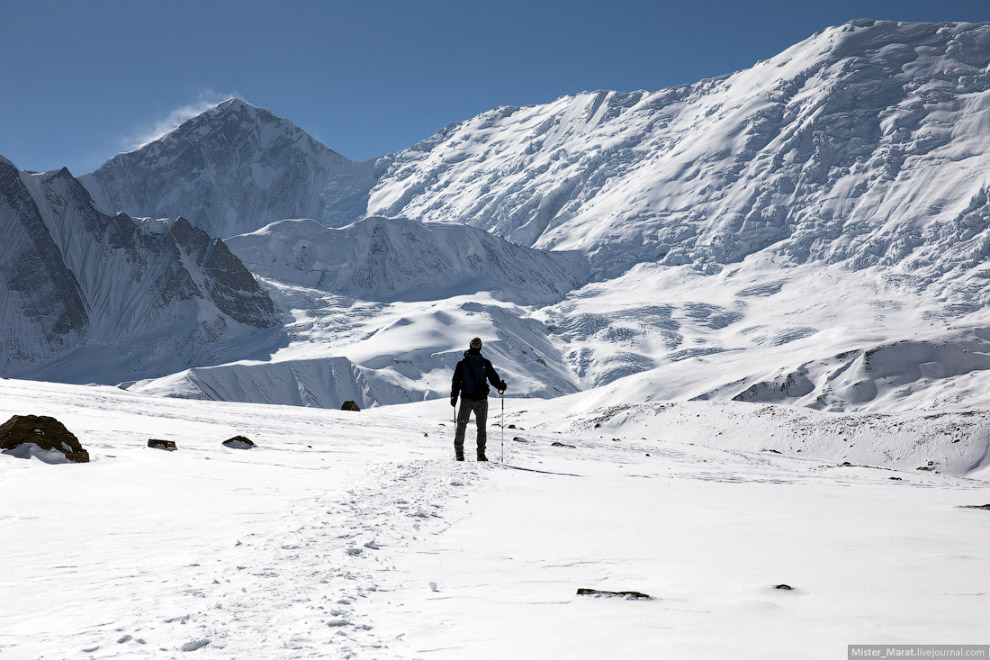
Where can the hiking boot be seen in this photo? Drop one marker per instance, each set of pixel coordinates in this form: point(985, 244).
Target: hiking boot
point(458, 454)
point(481, 456)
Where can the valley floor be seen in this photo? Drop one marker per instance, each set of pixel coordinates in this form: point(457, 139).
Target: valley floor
point(354, 535)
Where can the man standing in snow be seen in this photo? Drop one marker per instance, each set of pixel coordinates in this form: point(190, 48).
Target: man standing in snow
point(469, 379)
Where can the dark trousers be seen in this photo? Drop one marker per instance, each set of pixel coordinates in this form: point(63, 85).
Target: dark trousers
point(480, 410)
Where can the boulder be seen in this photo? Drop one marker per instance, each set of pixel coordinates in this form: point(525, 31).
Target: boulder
point(350, 405)
point(238, 442)
point(20, 432)
point(628, 595)
point(167, 445)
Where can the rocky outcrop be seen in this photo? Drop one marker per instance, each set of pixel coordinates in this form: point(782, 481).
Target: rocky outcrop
point(167, 445)
point(42, 307)
point(110, 298)
point(239, 442)
point(21, 434)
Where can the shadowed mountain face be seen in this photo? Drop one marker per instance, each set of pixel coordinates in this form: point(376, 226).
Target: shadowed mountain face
point(97, 298)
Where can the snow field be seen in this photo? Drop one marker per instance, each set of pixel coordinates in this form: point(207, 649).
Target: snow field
point(354, 535)
point(268, 552)
point(709, 533)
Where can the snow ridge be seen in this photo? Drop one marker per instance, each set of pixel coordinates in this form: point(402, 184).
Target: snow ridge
point(379, 259)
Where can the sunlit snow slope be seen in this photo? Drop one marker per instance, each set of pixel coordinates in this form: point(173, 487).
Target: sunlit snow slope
point(863, 145)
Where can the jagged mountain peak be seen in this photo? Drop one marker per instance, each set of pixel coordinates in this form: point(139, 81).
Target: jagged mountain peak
point(234, 104)
point(233, 169)
point(236, 120)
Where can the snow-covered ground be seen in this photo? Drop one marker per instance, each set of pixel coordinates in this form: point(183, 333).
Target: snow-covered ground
point(355, 534)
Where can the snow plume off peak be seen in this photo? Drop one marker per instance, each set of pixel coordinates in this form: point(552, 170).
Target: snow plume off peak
point(209, 100)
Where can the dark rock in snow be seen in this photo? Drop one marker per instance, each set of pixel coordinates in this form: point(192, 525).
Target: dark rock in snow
point(351, 405)
point(167, 445)
point(239, 442)
point(783, 587)
point(557, 443)
point(984, 507)
point(628, 595)
point(195, 645)
point(46, 433)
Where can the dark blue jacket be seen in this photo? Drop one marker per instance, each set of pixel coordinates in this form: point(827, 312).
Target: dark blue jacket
point(470, 375)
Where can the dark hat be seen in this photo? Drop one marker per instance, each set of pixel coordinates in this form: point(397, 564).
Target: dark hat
point(476, 342)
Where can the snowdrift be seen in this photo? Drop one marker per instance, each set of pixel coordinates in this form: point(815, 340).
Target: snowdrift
point(395, 354)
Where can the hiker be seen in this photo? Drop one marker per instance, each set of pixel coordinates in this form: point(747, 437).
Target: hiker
point(469, 380)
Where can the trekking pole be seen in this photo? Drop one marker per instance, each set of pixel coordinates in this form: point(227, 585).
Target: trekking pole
point(502, 457)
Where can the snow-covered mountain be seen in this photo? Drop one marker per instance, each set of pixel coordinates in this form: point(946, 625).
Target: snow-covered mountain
point(865, 145)
point(796, 232)
point(89, 297)
point(379, 259)
point(234, 169)
point(862, 145)
point(757, 236)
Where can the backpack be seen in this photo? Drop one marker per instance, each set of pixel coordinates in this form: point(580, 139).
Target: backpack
point(474, 376)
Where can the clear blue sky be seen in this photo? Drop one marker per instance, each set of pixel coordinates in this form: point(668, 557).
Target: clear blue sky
point(83, 80)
